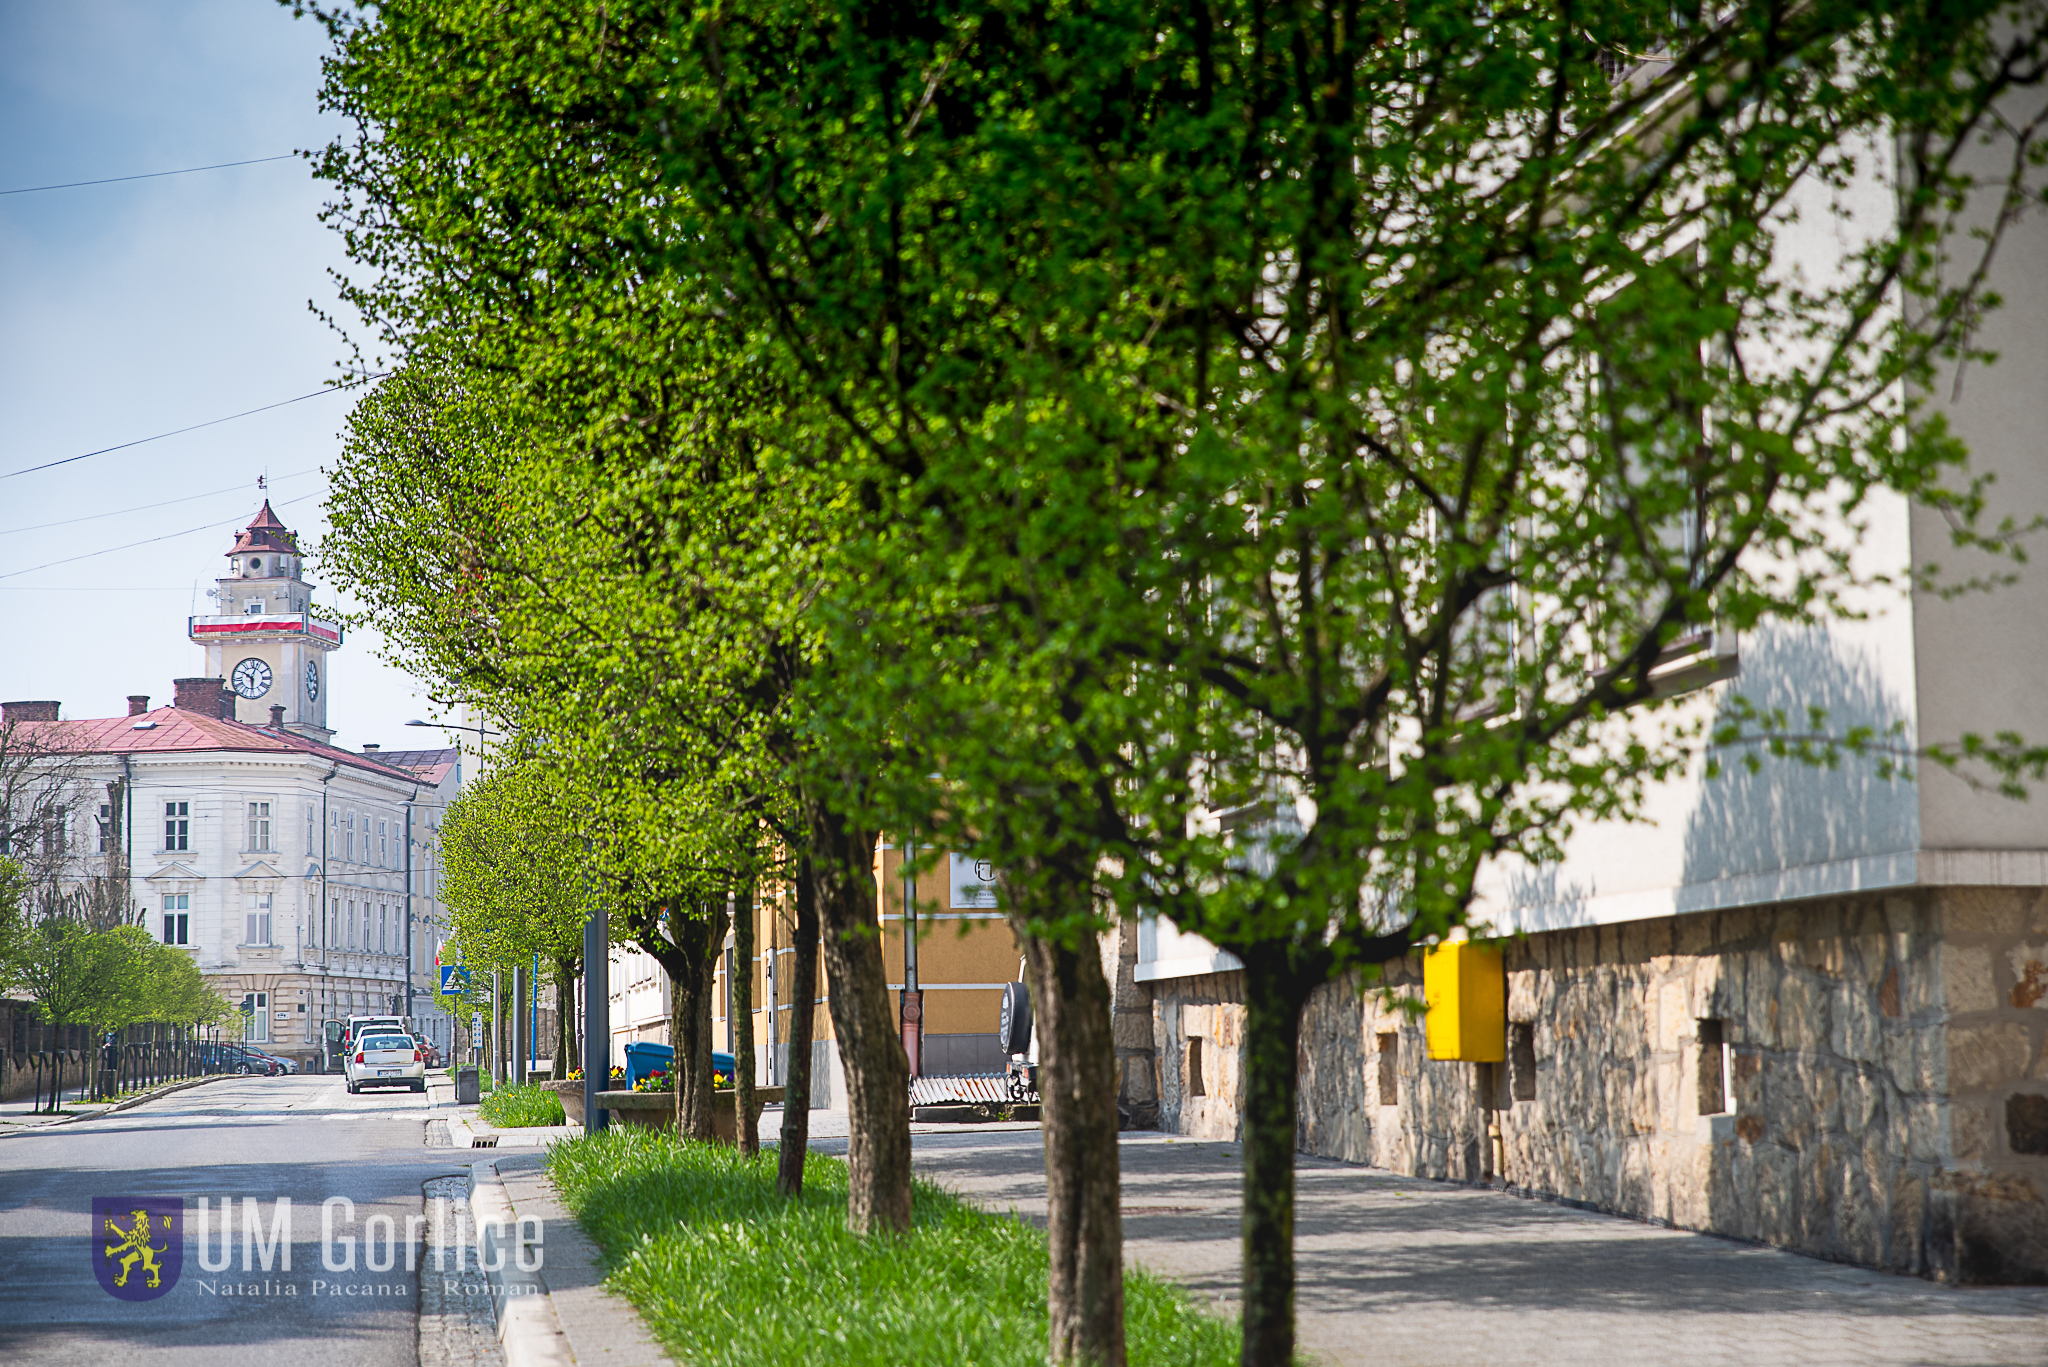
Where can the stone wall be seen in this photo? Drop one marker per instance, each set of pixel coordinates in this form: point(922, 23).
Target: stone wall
point(1130, 1019)
point(1863, 1079)
point(1995, 989)
point(1198, 1031)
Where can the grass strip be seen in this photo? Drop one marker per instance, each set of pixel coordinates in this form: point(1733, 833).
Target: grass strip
point(725, 1272)
point(511, 1108)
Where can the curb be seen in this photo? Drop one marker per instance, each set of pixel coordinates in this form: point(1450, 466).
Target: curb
point(528, 1327)
point(156, 1095)
point(562, 1313)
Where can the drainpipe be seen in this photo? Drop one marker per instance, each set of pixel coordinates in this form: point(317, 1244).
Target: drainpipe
point(408, 901)
point(326, 978)
point(128, 826)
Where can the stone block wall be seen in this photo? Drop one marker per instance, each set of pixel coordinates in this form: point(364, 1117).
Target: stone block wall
point(1198, 1032)
point(1995, 988)
point(1130, 1019)
point(1863, 1079)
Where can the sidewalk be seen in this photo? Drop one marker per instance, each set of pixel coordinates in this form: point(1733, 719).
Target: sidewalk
point(1397, 1271)
point(21, 1117)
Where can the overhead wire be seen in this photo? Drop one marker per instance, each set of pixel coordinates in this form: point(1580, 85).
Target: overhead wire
point(149, 175)
point(211, 422)
point(150, 541)
point(147, 507)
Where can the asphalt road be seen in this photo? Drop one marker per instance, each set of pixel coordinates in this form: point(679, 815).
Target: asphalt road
point(263, 1138)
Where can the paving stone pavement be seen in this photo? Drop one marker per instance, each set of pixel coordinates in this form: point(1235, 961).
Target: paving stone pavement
point(1397, 1271)
point(458, 1325)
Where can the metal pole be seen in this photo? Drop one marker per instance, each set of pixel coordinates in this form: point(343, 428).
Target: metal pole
point(533, 1016)
point(497, 1045)
point(913, 999)
point(597, 1025)
point(516, 1054)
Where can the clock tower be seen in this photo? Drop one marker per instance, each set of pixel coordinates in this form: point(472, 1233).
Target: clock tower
point(264, 639)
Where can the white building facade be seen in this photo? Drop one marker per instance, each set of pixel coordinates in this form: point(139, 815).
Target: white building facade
point(303, 879)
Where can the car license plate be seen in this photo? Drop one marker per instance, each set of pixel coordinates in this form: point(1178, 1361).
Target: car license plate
point(387, 1072)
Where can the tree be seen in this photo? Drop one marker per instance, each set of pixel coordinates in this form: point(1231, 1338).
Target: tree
point(514, 871)
point(1423, 382)
point(1460, 383)
point(42, 787)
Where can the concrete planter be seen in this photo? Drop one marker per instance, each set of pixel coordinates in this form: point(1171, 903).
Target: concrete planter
point(657, 1110)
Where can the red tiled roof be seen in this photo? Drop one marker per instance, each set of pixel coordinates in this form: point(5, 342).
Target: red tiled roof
point(266, 533)
point(178, 731)
point(431, 765)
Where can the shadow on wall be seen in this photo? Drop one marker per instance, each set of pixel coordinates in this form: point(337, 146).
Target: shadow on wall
point(1787, 814)
point(1543, 901)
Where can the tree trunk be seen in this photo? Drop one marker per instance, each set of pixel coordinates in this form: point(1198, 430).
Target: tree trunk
point(870, 1049)
point(739, 1008)
point(1070, 1002)
point(1272, 1030)
point(566, 1053)
point(699, 938)
point(796, 1074)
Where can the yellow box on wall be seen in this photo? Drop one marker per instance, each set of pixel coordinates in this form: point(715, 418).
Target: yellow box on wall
point(1466, 987)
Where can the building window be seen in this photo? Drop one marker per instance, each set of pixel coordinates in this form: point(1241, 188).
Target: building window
point(1390, 1069)
point(177, 918)
point(351, 925)
point(1522, 1061)
point(333, 837)
point(310, 823)
point(106, 828)
point(57, 834)
point(177, 825)
point(383, 845)
point(256, 1007)
point(259, 919)
point(349, 838)
point(1714, 1069)
point(1196, 1084)
point(259, 825)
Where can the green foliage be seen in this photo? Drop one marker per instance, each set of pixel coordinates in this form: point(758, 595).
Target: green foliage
point(519, 1106)
point(514, 869)
point(77, 973)
point(727, 1272)
point(1278, 450)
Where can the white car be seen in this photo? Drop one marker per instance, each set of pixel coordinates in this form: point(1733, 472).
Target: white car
point(382, 1059)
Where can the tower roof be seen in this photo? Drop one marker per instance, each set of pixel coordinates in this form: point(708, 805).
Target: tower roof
point(266, 533)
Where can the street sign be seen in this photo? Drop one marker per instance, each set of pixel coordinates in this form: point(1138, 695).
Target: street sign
point(452, 978)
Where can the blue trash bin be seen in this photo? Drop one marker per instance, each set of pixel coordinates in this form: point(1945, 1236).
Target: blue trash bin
point(643, 1059)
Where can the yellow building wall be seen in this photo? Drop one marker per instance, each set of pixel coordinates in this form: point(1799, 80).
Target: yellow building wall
point(964, 956)
point(955, 947)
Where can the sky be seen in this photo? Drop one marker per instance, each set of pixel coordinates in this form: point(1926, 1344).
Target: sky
point(132, 309)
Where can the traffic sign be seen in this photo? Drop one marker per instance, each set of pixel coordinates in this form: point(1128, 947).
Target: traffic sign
point(452, 978)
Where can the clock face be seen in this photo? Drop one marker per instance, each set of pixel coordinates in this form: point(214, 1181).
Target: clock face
point(252, 678)
point(312, 682)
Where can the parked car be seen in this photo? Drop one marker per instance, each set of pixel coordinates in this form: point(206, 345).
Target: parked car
point(386, 1060)
point(285, 1067)
point(239, 1058)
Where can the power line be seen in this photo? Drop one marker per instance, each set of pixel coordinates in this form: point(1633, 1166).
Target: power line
point(150, 175)
point(203, 527)
point(146, 507)
point(211, 422)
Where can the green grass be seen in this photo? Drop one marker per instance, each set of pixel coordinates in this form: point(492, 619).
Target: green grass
point(511, 1108)
point(726, 1272)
